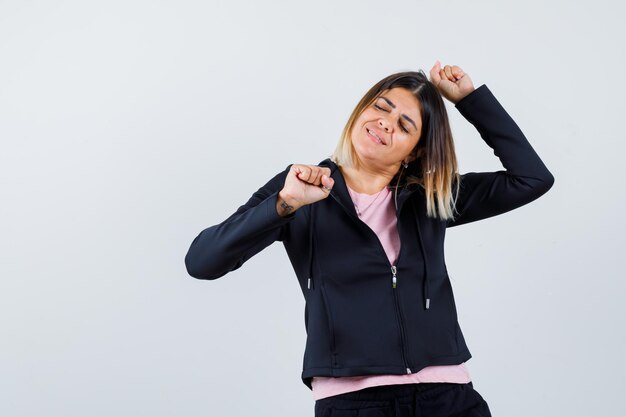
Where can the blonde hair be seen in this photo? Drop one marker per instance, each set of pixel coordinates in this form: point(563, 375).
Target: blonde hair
point(435, 167)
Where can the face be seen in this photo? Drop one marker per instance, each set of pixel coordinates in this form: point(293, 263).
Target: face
point(388, 130)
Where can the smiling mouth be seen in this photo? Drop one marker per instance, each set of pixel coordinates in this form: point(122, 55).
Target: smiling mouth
point(374, 137)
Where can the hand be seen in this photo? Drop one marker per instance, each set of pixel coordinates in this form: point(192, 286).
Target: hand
point(304, 185)
point(451, 81)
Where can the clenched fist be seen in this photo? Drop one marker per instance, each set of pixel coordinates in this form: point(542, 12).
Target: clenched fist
point(451, 81)
point(305, 184)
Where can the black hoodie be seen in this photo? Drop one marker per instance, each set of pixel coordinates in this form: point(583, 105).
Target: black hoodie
point(364, 316)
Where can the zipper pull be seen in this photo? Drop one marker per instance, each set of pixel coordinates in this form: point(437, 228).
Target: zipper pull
point(309, 284)
point(408, 370)
point(393, 271)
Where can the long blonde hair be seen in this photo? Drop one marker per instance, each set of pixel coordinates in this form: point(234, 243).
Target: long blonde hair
point(435, 166)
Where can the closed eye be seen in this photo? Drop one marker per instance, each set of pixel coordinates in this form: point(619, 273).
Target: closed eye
point(401, 126)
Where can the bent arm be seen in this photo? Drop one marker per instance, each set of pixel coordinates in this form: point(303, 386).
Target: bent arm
point(255, 225)
point(525, 178)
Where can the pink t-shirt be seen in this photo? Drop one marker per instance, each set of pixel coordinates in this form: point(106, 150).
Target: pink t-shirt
point(378, 211)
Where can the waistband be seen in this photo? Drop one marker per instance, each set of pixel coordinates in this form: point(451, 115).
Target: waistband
point(385, 393)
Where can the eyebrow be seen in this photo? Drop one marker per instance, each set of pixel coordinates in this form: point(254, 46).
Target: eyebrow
point(403, 115)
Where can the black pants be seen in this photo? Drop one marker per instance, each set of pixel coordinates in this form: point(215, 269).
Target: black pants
point(427, 399)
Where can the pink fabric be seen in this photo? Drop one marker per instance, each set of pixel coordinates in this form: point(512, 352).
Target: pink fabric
point(327, 386)
point(379, 213)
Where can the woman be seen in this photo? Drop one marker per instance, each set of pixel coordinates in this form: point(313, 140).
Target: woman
point(364, 231)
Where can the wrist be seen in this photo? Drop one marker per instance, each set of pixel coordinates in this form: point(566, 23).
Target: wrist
point(285, 205)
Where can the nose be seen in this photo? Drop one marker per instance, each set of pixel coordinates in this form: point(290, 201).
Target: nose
point(384, 124)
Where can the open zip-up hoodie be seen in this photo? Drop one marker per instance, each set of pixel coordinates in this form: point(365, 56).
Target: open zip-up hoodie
point(364, 316)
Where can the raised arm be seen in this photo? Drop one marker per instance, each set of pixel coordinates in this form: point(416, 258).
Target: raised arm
point(255, 225)
point(525, 178)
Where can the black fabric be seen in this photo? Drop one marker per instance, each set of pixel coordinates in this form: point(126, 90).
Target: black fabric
point(430, 399)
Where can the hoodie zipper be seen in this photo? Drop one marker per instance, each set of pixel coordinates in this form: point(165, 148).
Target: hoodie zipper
point(393, 279)
point(394, 271)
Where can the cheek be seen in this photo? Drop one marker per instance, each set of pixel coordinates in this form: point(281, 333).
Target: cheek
point(407, 145)
point(358, 132)
point(366, 116)
point(412, 141)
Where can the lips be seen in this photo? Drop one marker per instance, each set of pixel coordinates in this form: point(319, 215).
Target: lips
point(376, 136)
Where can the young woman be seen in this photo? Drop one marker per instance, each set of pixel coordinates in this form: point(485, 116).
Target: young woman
point(364, 231)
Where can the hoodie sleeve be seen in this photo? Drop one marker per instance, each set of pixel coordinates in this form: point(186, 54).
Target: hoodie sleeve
point(255, 225)
point(525, 178)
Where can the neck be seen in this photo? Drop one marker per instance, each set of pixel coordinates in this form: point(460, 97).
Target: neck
point(363, 179)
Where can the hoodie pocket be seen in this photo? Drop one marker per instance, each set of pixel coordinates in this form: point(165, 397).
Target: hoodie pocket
point(432, 332)
point(330, 323)
point(320, 343)
point(364, 322)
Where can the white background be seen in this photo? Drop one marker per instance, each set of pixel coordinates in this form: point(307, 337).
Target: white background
point(129, 126)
